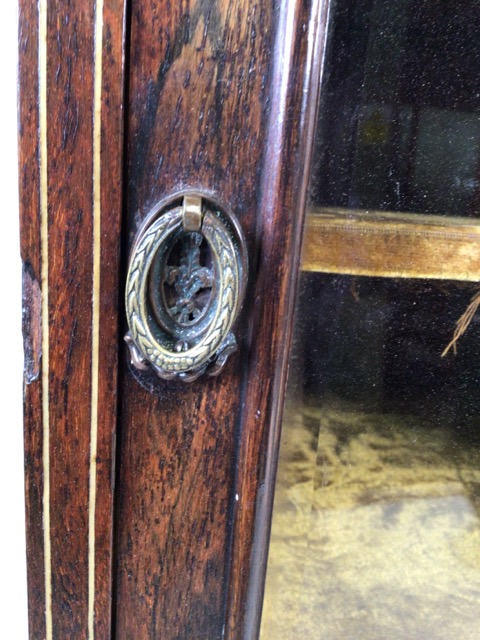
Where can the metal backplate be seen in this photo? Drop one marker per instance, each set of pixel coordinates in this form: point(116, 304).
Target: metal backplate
point(185, 285)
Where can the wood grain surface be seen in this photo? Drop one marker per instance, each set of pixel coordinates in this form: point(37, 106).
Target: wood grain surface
point(199, 76)
point(66, 216)
point(29, 183)
point(394, 245)
point(221, 99)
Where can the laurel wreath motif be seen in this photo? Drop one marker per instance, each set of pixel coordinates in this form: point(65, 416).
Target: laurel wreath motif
point(156, 346)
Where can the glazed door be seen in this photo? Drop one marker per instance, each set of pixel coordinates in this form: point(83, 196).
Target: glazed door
point(375, 524)
point(165, 153)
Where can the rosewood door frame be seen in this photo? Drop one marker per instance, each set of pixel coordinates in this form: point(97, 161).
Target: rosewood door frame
point(210, 95)
point(71, 60)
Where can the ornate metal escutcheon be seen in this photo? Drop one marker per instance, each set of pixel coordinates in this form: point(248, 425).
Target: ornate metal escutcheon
point(185, 286)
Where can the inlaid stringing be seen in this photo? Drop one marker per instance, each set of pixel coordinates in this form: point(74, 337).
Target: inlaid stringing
point(97, 104)
point(42, 81)
point(43, 162)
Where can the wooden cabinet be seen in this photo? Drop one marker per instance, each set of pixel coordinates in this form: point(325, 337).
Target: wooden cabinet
point(149, 500)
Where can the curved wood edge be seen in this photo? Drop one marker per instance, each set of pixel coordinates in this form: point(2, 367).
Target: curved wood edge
point(299, 53)
point(71, 59)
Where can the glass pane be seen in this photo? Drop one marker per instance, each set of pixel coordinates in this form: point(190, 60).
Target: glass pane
point(376, 527)
point(400, 125)
point(376, 523)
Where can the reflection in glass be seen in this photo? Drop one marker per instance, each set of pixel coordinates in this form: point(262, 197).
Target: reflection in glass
point(376, 523)
point(400, 112)
point(376, 527)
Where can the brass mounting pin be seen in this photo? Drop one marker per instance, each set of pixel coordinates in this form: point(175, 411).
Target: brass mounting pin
point(192, 213)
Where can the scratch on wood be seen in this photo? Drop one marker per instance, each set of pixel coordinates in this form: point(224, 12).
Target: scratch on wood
point(31, 324)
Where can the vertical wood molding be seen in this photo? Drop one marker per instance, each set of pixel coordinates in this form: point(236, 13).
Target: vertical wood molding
point(70, 232)
point(299, 54)
point(109, 192)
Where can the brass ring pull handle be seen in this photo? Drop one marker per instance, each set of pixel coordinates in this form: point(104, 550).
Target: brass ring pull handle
point(184, 289)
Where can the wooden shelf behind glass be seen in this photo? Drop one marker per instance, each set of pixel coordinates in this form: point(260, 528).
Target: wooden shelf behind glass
point(397, 245)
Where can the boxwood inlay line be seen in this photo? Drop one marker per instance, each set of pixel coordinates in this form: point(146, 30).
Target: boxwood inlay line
point(42, 107)
point(97, 112)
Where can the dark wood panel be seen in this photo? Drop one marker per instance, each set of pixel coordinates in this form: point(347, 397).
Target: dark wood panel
point(69, 133)
point(70, 168)
point(218, 102)
point(198, 85)
point(29, 181)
